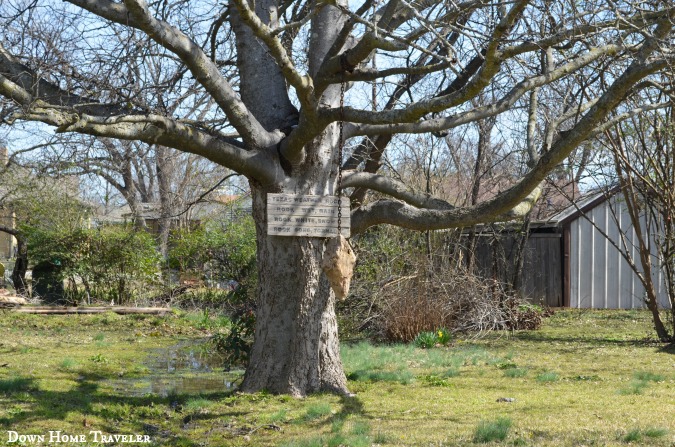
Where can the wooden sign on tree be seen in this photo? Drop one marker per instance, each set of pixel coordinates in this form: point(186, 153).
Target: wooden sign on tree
point(307, 215)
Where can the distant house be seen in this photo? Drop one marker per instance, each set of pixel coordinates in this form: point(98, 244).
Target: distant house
point(221, 207)
point(572, 260)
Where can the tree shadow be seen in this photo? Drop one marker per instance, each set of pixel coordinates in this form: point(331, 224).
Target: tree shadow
point(593, 342)
point(668, 349)
point(110, 410)
point(351, 405)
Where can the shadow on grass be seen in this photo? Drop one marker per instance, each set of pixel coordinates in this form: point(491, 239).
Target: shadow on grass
point(88, 400)
point(351, 405)
point(592, 341)
point(668, 349)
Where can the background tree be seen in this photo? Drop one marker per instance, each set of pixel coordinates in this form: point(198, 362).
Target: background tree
point(643, 152)
point(29, 197)
point(269, 77)
point(154, 181)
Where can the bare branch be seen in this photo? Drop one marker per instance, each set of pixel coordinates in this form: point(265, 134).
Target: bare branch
point(137, 15)
point(402, 117)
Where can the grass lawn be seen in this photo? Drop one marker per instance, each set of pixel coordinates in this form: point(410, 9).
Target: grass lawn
point(586, 378)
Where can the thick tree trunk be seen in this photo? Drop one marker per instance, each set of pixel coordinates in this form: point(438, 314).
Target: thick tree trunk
point(296, 348)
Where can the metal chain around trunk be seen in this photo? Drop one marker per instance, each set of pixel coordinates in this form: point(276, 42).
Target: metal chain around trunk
point(339, 157)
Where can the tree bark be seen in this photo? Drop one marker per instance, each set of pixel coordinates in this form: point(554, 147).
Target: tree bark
point(20, 266)
point(164, 175)
point(296, 349)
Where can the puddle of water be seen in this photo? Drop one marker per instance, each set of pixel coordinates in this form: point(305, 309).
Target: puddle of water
point(186, 357)
point(167, 386)
point(186, 368)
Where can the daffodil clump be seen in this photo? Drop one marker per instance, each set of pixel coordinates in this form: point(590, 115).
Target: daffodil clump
point(439, 337)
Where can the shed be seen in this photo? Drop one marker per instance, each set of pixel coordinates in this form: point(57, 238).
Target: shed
point(595, 273)
point(574, 259)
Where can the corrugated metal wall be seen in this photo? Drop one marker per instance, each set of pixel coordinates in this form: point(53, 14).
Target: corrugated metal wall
point(600, 277)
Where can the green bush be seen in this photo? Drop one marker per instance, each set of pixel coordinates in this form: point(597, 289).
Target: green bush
point(216, 251)
point(111, 263)
point(122, 263)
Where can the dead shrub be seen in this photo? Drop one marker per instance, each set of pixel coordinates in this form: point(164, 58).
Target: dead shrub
point(401, 290)
point(457, 300)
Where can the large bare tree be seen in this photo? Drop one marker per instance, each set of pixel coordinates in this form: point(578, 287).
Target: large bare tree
point(268, 76)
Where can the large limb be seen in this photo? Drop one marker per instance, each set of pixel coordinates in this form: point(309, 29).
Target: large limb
point(301, 83)
point(9, 230)
point(135, 13)
point(149, 128)
point(393, 188)
point(29, 84)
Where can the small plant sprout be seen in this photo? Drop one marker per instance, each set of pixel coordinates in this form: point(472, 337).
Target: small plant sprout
point(444, 336)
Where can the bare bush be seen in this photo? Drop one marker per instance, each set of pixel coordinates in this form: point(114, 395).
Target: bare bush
point(409, 283)
point(453, 299)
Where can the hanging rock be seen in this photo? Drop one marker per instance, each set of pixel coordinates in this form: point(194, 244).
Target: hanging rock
point(338, 264)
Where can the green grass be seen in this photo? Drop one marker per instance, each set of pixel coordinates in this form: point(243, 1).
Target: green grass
point(317, 410)
point(633, 436)
point(452, 372)
point(490, 431)
point(68, 363)
point(637, 435)
point(58, 377)
point(197, 404)
point(647, 376)
point(276, 417)
point(640, 382)
point(655, 432)
point(515, 372)
point(633, 388)
point(548, 377)
point(15, 385)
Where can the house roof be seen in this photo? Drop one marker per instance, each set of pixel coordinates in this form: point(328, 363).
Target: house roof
point(152, 210)
point(582, 206)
